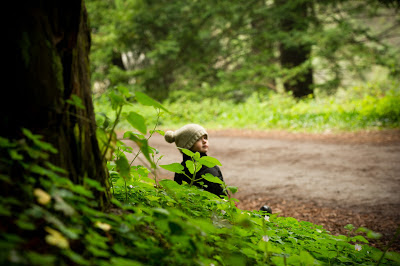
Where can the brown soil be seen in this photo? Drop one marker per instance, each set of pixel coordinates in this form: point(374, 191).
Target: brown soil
point(327, 179)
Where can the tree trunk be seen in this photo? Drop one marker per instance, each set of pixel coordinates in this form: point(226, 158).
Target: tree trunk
point(295, 53)
point(50, 44)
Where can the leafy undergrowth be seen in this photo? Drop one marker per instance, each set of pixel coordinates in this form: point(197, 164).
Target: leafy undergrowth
point(57, 222)
point(354, 109)
point(46, 219)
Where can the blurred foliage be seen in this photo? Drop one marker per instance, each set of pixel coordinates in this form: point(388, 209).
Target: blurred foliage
point(232, 49)
point(371, 106)
point(48, 220)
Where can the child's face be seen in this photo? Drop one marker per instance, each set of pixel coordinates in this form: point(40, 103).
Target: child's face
point(201, 145)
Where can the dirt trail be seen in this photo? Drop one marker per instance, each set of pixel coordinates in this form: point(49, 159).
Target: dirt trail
point(327, 179)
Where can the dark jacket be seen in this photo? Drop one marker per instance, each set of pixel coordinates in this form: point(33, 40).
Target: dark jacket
point(211, 187)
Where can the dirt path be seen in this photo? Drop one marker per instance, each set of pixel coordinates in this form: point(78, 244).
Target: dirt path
point(327, 179)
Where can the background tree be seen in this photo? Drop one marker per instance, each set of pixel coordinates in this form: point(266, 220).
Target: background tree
point(183, 49)
point(50, 91)
point(295, 51)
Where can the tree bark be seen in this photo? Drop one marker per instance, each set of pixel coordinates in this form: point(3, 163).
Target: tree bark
point(294, 54)
point(50, 43)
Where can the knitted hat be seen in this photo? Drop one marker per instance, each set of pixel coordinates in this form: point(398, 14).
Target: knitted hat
point(186, 136)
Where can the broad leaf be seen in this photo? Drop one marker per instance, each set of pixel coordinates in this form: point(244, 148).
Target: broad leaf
point(116, 100)
point(137, 121)
point(161, 132)
point(124, 91)
point(209, 161)
point(142, 144)
point(232, 189)
point(146, 100)
point(192, 167)
point(187, 152)
point(173, 167)
point(130, 134)
point(76, 101)
point(123, 166)
point(209, 177)
point(36, 139)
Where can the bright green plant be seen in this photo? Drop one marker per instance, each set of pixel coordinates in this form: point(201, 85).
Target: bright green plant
point(58, 222)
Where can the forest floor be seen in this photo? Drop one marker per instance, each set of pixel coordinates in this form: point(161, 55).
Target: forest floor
point(327, 179)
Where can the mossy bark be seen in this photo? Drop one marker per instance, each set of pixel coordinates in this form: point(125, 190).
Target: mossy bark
point(50, 44)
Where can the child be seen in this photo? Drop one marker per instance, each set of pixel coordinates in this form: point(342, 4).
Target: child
point(195, 138)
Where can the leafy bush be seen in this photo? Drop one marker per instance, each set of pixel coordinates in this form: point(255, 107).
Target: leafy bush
point(355, 109)
point(280, 111)
point(48, 220)
point(157, 225)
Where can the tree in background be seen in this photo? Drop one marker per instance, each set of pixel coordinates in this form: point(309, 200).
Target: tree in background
point(175, 49)
point(50, 91)
point(295, 51)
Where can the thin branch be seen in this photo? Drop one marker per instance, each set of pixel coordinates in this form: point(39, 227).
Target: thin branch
point(111, 133)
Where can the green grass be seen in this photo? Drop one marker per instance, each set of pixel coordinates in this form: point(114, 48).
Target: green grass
point(358, 108)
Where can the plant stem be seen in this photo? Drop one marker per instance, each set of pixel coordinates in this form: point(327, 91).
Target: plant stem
point(389, 245)
point(194, 173)
point(126, 190)
point(151, 134)
point(111, 133)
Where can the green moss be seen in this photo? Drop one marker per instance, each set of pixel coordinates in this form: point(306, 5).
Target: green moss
point(25, 45)
point(57, 67)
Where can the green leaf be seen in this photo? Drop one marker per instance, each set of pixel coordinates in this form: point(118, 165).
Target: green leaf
point(373, 235)
point(5, 143)
point(61, 205)
point(120, 249)
point(15, 155)
point(161, 132)
point(161, 211)
point(146, 100)
point(25, 225)
point(152, 198)
point(349, 227)
point(192, 167)
point(124, 261)
point(137, 121)
point(123, 166)
point(232, 189)
point(116, 100)
point(116, 202)
point(103, 120)
point(176, 229)
point(124, 91)
point(36, 139)
point(209, 161)
point(394, 256)
point(359, 238)
point(173, 167)
point(306, 258)
point(93, 183)
point(170, 184)
point(142, 144)
point(187, 152)
point(82, 191)
point(209, 177)
point(132, 135)
point(76, 101)
point(78, 259)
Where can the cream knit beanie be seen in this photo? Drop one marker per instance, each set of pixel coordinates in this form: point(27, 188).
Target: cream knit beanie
point(186, 136)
